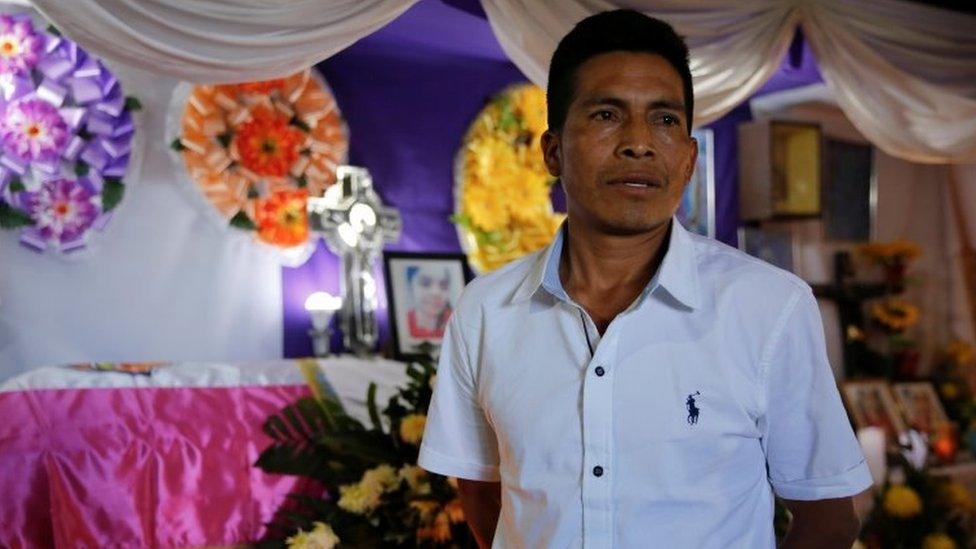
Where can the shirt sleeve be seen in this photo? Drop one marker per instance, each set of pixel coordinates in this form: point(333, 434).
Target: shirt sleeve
point(458, 440)
point(811, 450)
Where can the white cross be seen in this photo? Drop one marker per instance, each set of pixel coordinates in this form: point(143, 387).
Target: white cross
point(355, 224)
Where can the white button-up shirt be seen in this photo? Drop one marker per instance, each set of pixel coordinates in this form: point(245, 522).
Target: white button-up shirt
point(708, 394)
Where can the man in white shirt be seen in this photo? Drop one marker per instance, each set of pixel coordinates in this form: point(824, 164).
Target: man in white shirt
point(634, 385)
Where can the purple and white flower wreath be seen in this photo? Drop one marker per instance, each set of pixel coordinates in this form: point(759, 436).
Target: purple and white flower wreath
point(66, 134)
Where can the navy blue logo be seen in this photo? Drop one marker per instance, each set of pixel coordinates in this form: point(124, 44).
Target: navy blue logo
point(693, 410)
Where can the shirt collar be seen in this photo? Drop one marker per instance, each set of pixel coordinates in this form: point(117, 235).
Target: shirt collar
point(678, 273)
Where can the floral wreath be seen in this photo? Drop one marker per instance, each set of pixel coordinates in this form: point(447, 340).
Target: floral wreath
point(503, 210)
point(256, 152)
point(67, 135)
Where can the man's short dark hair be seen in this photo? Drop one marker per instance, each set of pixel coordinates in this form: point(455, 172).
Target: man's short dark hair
point(610, 31)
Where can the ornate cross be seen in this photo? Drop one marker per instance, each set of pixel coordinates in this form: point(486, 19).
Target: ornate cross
point(355, 224)
point(850, 297)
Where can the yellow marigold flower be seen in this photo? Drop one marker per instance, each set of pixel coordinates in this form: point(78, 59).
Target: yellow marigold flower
point(960, 353)
point(384, 478)
point(416, 479)
point(949, 390)
point(426, 508)
point(938, 541)
point(902, 502)
point(412, 428)
point(359, 498)
point(958, 497)
point(454, 511)
point(895, 315)
point(321, 537)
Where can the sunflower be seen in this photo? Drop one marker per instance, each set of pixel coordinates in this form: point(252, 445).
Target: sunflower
point(895, 315)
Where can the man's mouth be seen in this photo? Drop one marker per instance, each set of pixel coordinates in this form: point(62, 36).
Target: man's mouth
point(636, 182)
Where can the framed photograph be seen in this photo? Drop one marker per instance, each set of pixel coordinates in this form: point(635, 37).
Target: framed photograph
point(772, 246)
point(696, 212)
point(797, 161)
point(850, 193)
point(920, 405)
point(422, 291)
point(870, 404)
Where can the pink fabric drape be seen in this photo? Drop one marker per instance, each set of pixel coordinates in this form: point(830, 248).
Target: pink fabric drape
point(150, 467)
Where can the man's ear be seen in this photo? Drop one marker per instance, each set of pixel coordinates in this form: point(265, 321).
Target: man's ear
point(551, 153)
point(694, 159)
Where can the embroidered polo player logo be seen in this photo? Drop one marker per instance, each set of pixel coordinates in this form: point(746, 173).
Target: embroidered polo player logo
point(693, 410)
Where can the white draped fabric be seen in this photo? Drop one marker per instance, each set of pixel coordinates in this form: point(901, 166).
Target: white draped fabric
point(219, 40)
point(904, 73)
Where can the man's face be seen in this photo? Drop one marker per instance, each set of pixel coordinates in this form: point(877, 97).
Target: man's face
point(624, 155)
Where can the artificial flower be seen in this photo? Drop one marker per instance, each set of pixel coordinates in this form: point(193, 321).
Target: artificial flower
point(282, 218)
point(412, 428)
point(425, 508)
point(321, 537)
point(20, 46)
point(902, 502)
point(268, 144)
point(504, 210)
point(416, 479)
point(960, 353)
point(383, 477)
point(359, 498)
point(438, 532)
point(958, 497)
point(62, 209)
point(261, 87)
point(32, 129)
point(938, 541)
point(895, 315)
point(454, 511)
point(898, 252)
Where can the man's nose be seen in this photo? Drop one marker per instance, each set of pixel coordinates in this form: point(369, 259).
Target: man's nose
point(636, 141)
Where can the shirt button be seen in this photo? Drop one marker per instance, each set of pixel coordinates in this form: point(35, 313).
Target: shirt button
point(600, 371)
point(598, 471)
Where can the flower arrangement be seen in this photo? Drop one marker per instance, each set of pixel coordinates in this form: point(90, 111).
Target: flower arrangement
point(502, 186)
point(918, 509)
point(897, 252)
point(256, 151)
point(375, 494)
point(66, 131)
point(894, 315)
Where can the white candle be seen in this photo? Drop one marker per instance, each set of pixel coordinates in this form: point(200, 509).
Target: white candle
point(872, 441)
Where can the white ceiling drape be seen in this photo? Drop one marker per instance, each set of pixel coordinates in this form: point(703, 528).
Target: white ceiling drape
point(219, 40)
point(903, 72)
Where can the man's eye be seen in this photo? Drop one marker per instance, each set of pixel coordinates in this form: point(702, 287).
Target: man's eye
point(603, 115)
point(670, 120)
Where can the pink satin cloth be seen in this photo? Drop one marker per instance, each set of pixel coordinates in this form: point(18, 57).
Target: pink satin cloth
point(137, 467)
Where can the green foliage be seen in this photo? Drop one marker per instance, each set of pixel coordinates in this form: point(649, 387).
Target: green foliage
point(315, 438)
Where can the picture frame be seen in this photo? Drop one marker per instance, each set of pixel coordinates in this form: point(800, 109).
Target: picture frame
point(920, 406)
point(870, 404)
point(850, 191)
point(422, 291)
point(696, 211)
point(797, 169)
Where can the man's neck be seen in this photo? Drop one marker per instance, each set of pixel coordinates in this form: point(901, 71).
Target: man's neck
point(605, 273)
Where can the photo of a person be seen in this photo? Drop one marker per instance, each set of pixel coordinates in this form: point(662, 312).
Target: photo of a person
point(920, 405)
point(430, 293)
point(871, 405)
point(422, 292)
